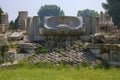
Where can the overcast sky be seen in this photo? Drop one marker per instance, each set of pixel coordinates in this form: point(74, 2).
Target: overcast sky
point(70, 7)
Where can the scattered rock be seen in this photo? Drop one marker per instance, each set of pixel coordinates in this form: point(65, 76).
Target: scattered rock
point(57, 58)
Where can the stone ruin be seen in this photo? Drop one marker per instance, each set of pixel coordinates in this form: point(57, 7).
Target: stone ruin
point(28, 24)
point(91, 25)
point(22, 16)
point(63, 25)
point(56, 31)
point(106, 23)
point(4, 26)
point(16, 36)
point(34, 28)
point(62, 31)
point(103, 23)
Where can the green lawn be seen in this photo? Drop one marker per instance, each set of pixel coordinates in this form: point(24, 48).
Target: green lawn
point(58, 73)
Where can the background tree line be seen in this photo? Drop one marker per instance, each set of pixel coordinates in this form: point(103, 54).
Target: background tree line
point(87, 12)
point(49, 10)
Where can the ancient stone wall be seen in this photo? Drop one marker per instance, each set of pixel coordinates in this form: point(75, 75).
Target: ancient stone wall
point(22, 16)
point(4, 18)
point(4, 23)
point(91, 25)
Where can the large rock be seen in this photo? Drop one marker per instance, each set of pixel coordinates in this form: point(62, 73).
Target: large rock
point(34, 30)
point(10, 56)
point(3, 41)
point(3, 28)
point(4, 45)
point(16, 36)
point(27, 47)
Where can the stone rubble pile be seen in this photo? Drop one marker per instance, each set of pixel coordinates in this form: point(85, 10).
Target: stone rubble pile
point(64, 57)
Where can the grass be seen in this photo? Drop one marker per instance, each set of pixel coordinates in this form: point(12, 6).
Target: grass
point(43, 71)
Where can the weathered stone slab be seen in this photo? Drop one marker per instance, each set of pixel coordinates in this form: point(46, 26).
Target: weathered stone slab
point(34, 32)
point(15, 36)
point(3, 28)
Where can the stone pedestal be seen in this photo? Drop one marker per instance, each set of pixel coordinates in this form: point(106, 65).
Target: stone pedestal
point(34, 33)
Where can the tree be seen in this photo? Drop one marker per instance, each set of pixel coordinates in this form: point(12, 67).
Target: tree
point(49, 10)
point(112, 7)
point(87, 12)
point(14, 25)
point(11, 25)
point(1, 11)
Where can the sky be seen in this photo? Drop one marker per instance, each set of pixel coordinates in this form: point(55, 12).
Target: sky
point(70, 7)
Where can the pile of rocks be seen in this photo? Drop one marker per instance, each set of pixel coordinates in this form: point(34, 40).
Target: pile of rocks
point(71, 57)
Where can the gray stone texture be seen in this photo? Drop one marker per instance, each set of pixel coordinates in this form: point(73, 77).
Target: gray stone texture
point(91, 25)
point(28, 24)
point(16, 36)
point(71, 57)
point(4, 26)
point(63, 25)
point(22, 16)
point(106, 23)
point(4, 19)
point(34, 32)
point(27, 48)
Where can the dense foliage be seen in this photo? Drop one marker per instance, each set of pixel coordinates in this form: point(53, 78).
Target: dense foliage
point(13, 25)
point(113, 8)
point(1, 11)
point(49, 10)
point(87, 12)
point(42, 50)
